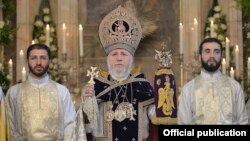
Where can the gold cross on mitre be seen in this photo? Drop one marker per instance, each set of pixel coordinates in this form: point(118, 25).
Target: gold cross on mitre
point(92, 74)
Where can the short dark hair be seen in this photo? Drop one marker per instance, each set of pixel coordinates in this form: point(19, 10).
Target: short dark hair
point(38, 46)
point(210, 40)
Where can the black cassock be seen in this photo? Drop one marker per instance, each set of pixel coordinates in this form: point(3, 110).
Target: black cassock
point(124, 105)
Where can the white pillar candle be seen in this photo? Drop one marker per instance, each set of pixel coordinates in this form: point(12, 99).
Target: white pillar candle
point(237, 67)
point(181, 38)
point(227, 52)
point(81, 41)
point(47, 32)
point(23, 74)
point(212, 29)
point(33, 42)
point(21, 57)
point(232, 72)
point(248, 63)
point(64, 38)
point(196, 35)
point(11, 70)
point(181, 75)
point(224, 67)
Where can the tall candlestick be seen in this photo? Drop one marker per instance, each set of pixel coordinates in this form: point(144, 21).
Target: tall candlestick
point(212, 29)
point(181, 38)
point(64, 38)
point(227, 52)
point(232, 72)
point(237, 67)
point(224, 67)
point(196, 35)
point(11, 70)
point(23, 74)
point(81, 40)
point(47, 35)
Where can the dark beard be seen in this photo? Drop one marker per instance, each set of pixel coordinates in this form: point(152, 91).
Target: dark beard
point(210, 68)
point(40, 74)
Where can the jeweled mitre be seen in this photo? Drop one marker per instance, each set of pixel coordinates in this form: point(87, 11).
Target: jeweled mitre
point(120, 29)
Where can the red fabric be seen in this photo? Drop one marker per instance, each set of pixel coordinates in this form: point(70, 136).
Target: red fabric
point(153, 133)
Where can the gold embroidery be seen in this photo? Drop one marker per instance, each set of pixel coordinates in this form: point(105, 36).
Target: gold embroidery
point(39, 112)
point(165, 101)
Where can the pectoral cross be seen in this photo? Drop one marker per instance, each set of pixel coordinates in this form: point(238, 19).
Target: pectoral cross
point(92, 74)
point(132, 112)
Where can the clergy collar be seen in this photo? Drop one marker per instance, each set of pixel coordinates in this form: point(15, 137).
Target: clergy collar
point(210, 76)
point(38, 82)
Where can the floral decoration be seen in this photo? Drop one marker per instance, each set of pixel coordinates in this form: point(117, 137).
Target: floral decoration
point(219, 19)
point(6, 36)
point(244, 5)
point(42, 19)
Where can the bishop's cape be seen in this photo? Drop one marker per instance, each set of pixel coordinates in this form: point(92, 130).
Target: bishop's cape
point(124, 107)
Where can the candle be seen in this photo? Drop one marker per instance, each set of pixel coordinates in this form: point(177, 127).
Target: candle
point(237, 67)
point(33, 42)
point(227, 52)
point(232, 72)
point(64, 38)
point(212, 29)
point(196, 35)
point(224, 67)
point(81, 40)
point(23, 74)
point(47, 35)
point(181, 75)
point(181, 38)
point(248, 63)
point(21, 57)
point(11, 70)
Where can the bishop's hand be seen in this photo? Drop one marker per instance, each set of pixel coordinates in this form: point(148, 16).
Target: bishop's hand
point(87, 91)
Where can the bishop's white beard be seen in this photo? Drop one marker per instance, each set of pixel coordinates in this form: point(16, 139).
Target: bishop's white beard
point(122, 74)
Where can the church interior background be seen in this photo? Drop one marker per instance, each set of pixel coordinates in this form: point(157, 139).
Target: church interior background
point(180, 25)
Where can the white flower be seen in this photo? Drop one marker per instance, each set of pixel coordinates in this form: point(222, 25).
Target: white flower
point(46, 18)
point(210, 19)
point(54, 60)
point(217, 8)
point(36, 40)
point(39, 23)
point(46, 10)
point(221, 37)
point(52, 29)
point(248, 35)
point(1, 24)
point(8, 76)
point(42, 38)
point(223, 26)
point(55, 67)
point(217, 15)
point(50, 66)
